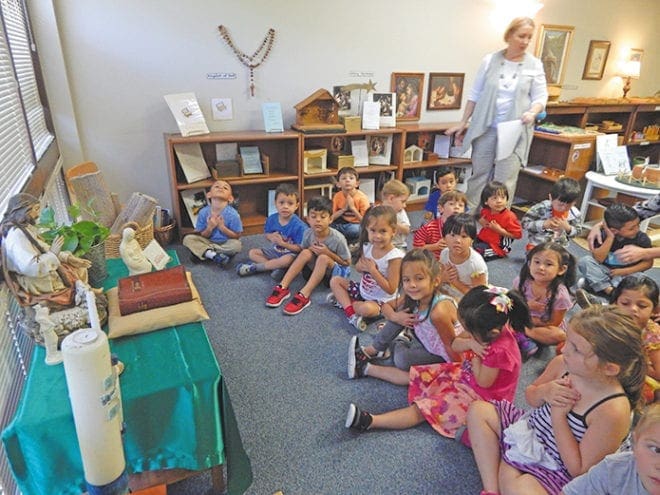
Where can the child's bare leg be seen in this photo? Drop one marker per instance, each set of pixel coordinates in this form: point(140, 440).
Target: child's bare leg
point(399, 419)
point(389, 374)
point(339, 287)
point(281, 262)
point(370, 309)
point(323, 263)
point(484, 426)
point(257, 255)
point(513, 481)
point(548, 335)
point(296, 267)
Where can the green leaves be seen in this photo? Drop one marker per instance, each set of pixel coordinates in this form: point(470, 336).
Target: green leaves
point(79, 237)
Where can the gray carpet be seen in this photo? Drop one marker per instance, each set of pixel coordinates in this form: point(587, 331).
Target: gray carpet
point(287, 380)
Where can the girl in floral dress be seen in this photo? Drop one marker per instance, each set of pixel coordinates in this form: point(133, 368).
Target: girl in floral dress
point(441, 393)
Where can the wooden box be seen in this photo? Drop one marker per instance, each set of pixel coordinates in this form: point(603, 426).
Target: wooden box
point(337, 160)
point(352, 123)
point(315, 161)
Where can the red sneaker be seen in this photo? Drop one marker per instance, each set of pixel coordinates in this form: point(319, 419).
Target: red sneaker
point(278, 296)
point(297, 304)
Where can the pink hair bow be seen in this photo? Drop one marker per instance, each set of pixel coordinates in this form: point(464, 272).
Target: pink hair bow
point(501, 301)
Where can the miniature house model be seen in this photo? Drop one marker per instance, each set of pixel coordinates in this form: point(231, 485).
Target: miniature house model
point(318, 112)
point(315, 160)
point(413, 153)
point(419, 187)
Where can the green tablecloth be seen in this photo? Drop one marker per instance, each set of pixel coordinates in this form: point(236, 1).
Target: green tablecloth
point(176, 409)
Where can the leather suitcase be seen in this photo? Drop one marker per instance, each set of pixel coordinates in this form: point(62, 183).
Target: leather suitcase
point(153, 290)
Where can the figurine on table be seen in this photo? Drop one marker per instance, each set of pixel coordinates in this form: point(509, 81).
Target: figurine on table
point(41, 274)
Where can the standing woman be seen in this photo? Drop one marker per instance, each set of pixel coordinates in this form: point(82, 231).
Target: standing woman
point(509, 85)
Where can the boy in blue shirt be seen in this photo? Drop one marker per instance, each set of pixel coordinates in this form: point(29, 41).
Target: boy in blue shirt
point(284, 230)
point(218, 228)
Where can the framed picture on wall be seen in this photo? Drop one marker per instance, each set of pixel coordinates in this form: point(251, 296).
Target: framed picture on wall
point(594, 65)
point(445, 91)
point(554, 43)
point(409, 87)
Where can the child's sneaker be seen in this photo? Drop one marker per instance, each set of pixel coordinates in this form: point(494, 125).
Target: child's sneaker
point(297, 304)
point(405, 336)
point(358, 322)
point(244, 269)
point(358, 419)
point(527, 347)
point(585, 300)
point(278, 296)
point(221, 259)
point(357, 359)
point(331, 299)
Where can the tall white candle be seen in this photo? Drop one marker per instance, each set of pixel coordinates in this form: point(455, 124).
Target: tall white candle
point(95, 402)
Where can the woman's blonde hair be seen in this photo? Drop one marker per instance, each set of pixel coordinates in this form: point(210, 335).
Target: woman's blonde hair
point(516, 24)
point(615, 339)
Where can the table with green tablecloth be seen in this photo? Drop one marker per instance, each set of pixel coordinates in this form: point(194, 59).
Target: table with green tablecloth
point(176, 411)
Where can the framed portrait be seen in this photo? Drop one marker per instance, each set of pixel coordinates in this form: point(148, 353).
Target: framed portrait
point(553, 45)
point(635, 55)
point(409, 87)
point(445, 90)
point(594, 65)
point(342, 97)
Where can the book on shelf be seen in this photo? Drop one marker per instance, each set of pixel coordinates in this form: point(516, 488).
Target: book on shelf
point(194, 200)
point(272, 113)
point(251, 159)
point(360, 152)
point(188, 115)
point(380, 149)
point(192, 161)
point(226, 151)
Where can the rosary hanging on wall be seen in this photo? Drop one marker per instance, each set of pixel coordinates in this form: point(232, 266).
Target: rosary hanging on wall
point(257, 58)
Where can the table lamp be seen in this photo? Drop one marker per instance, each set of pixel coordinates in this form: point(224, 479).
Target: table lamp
point(629, 70)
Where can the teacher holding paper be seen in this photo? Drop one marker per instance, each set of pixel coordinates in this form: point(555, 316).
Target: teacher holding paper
point(510, 85)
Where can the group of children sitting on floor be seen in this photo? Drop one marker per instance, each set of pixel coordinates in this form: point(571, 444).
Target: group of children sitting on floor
point(458, 343)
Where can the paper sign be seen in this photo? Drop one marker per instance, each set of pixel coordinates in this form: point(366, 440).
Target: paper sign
point(272, 113)
point(441, 145)
point(371, 115)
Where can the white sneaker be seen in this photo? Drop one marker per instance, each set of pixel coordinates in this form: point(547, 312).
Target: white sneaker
point(358, 322)
point(331, 299)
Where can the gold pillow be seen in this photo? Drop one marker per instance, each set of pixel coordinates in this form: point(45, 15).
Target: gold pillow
point(153, 319)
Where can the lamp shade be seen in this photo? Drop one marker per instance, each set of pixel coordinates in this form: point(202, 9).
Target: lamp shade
point(630, 68)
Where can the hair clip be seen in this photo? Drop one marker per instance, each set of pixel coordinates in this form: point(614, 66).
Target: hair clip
point(501, 301)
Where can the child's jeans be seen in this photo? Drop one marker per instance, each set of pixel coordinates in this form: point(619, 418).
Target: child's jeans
point(404, 355)
point(350, 230)
point(596, 274)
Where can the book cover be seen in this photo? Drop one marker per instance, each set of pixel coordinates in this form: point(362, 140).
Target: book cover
point(226, 151)
point(441, 145)
point(156, 255)
point(188, 115)
point(272, 112)
point(380, 149)
point(192, 161)
point(251, 160)
point(194, 200)
point(359, 151)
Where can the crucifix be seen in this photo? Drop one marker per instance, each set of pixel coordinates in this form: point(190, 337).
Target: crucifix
point(257, 58)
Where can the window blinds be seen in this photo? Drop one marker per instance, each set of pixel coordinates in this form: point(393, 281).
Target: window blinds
point(21, 48)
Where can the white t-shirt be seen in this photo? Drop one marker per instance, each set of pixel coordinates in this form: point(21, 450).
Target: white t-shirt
point(369, 288)
point(474, 265)
point(401, 240)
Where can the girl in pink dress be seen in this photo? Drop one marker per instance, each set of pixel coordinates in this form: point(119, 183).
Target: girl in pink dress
point(441, 393)
point(544, 279)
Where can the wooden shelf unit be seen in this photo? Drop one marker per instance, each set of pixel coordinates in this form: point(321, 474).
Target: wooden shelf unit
point(574, 155)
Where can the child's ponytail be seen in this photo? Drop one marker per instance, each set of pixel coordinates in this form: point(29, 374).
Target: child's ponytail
point(484, 308)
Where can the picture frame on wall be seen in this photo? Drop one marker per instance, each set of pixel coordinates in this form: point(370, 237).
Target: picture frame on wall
point(594, 65)
point(445, 90)
point(409, 87)
point(553, 46)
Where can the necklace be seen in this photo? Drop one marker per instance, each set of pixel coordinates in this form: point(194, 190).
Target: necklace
point(257, 58)
point(506, 82)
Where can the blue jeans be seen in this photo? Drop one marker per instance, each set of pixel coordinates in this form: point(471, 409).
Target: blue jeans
point(350, 230)
point(404, 355)
point(596, 274)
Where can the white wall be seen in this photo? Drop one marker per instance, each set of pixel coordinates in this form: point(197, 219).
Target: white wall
point(119, 58)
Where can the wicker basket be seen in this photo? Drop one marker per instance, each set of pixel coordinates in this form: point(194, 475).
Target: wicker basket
point(164, 235)
point(144, 236)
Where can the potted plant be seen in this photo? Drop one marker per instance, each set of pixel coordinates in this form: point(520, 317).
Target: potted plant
point(83, 238)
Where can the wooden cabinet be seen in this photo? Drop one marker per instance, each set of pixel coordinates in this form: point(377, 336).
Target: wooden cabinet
point(378, 142)
point(423, 135)
point(282, 150)
point(574, 155)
